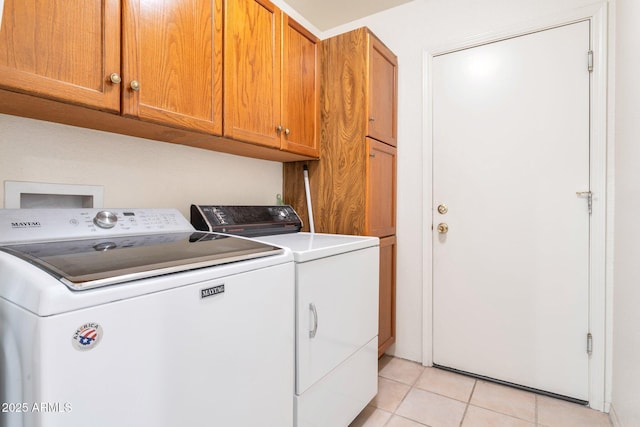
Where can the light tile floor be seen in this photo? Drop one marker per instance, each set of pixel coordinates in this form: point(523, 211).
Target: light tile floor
point(410, 395)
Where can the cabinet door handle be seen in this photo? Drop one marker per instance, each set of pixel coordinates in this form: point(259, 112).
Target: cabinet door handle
point(287, 131)
point(115, 78)
point(279, 128)
point(135, 85)
point(372, 119)
point(312, 332)
point(372, 155)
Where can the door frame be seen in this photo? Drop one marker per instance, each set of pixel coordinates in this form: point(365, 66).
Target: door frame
point(601, 267)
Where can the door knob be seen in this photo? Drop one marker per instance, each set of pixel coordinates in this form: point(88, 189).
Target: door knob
point(443, 228)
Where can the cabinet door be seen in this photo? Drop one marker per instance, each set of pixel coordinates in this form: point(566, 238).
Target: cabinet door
point(252, 71)
point(300, 89)
point(381, 189)
point(383, 92)
point(62, 49)
point(387, 296)
point(173, 50)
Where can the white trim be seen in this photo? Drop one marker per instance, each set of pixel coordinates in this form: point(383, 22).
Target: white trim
point(598, 260)
point(599, 373)
point(14, 189)
point(610, 61)
point(613, 417)
point(519, 29)
point(427, 212)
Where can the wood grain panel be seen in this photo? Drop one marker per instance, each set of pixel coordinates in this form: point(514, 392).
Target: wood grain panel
point(252, 49)
point(293, 190)
point(387, 295)
point(381, 189)
point(300, 88)
point(62, 49)
point(340, 184)
point(383, 94)
point(173, 48)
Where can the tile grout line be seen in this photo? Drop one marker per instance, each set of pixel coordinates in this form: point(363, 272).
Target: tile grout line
point(411, 387)
point(393, 413)
point(466, 408)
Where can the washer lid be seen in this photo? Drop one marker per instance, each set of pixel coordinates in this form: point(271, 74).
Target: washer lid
point(89, 263)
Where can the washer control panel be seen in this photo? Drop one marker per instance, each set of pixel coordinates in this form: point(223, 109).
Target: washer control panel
point(105, 219)
point(28, 225)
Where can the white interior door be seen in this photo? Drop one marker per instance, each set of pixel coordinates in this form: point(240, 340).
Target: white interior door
point(510, 151)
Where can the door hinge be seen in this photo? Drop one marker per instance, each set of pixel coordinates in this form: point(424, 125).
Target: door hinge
point(590, 61)
point(589, 195)
point(589, 343)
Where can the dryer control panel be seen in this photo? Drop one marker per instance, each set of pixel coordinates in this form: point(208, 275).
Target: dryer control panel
point(246, 220)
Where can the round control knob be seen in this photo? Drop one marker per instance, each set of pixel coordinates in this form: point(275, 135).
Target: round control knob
point(105, 219)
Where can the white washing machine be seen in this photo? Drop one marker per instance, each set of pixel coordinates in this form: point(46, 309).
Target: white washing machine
point(132, 318)
point(337, 288)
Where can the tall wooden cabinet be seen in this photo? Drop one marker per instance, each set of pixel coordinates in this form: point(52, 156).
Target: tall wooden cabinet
point(353, 185)
point(169, 70)
point(271, 78)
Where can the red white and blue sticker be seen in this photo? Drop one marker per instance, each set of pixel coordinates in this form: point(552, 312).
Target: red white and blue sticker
point(87, 336)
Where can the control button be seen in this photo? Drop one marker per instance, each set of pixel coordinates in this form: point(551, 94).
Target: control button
point(104, 246)
point(105, 219)
point(74, 222)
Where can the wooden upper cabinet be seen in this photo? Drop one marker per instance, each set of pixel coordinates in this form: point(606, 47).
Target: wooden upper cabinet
point(383, 92)
point(171, 69)
point(359, 86)
point(63, 50)
point(381, 189)
point(270, 78)
point(172, 62)
point(300, 89)
point(252, 64)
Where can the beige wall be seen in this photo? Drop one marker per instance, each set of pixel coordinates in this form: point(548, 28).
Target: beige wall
point(135, 172)
point(626, 324)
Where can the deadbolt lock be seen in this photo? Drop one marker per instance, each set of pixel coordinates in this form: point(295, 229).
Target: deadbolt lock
point(443, 209)
point(443, 228)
